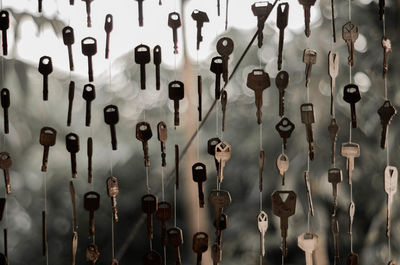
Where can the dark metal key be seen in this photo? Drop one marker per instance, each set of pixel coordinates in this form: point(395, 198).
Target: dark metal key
point(217, 68)
point(47, 139)
point(308, 118)
point(144, 134)
point(72, 144)
point(200, 245)
point(333, 129)
point(175, 239)
point(92, 253)
point(111, 117)
point(162, 134)
point(199, 173)
point(211, 144)
point(140, 12)
point(4, 25)
point(282, 82)
point(351, 94)
point(220, 225)
point(71, 94)
point(142, 57)
point(258, 81)
point(157, 63)
point(69, 39)
point(335, 176)
point(200, 17)
point(163, 214)
point(307, 14)
point(89, 94)
point(149, 207)
point(225, 47)
point(152, 258)
point(5, 165)
point(200, 95)
point(174, 22)
point(176, 92)
point(89, 20)
point(285, 128)
point(261, 10)
point(381, 9)
point(5, 104)
point(91, 203)
point(386, 113)
point(45, 68)
point(282, 18)
point(89, 48)
point(108, 27)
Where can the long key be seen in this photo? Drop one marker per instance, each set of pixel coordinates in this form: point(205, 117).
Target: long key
point(220, 225)
point(149, 207)
point(387, 48)
point(308, 242)
point(333, 130)
point(5, 165)
point(199, 174)
point(390, 181)
point(89, 20)
point(309, 58)
point(112, 192)
point(258, 81)
point(225, 47)
point(200, 245)
point(142, 57)
point(108, 27)
point(157, 63)
point(163, 214)
point(224, 102)
point(261, 10)
point(222, 154)
point(5, 104)
point(111, 117)
point(220, 199)
point(88, 94)
point(335, 232)
point(152, 258)
point(92, 253)
point(144, 134)
point(308, 189)
point(335, 177)
point(282, 164)
point(71, 94)
point(45, 68)
point(216, 254)
point(307, 14)
point(351, 94)
point(174, 22)
point(262, 223)
point(175, 239)
point(285, 128)
point(176, 92)
point(386, 113)
point(200, 17)
point(308, 118)
point(333, 63)
point(89, 48)
point(211, 144)
point(4, 25)
point(140, 12)
point(350, 151)
point(217, 68)
point(162, 134)
point(261, 162)
point(72, 144)
point(352, 259)
point(69, 39)
point(350, 35)
point(282, 82)
point(90, 155)
point(282, 18)
point(91, 203)
point(47, 139)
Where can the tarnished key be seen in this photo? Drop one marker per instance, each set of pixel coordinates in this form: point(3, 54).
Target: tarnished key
point(152, 258)
point(285, 128)
point(112, 192)
point(199, 174)
point(162, 134)
point(71, 94)
point(222, 154)
point(258, 81)
point(387, 48)
point(217, 68)
point(91, 203)
point(308, 118)
point(308, 189)
point(90, 155)
point(333, 64)
point(157, 63)
point(5, 104)
point(261, 162)
point(140, 12)
point(149, 207)
point(175, 239)
point(308, 242)
point(142, 57)
point(92, 253)
point(350, 35)
point(74, 247)
point(5, 165)
point(386, 113)
point(335, 232)
point(164, 214)
point(352, 259)
point(225, 47)
point(211, 144)
point(88, 94)
point(47, 139)
point(216, 254)
point(144, 134)
point(309, 58)
point(4, 25)
point(89, 19)
point(352, 210)
point(176, 92)
point(111, 117)
point(333, 130)
point(350, 151)
point(89, 48)
point(224, 102)
point(307, 4)
point(200, 17)
point(45, 68)
point(282, 18)
point(174, 22)
point(390, 181)
point(72, 144)
point(200, 245)
point(262, 222)
point(69, 39)
point(335, 176)
point(219, 199)
point(108, 27)
point(220, 225)
point(282, 82)
point(261, 10)
point(282, 164)
point(351, 94)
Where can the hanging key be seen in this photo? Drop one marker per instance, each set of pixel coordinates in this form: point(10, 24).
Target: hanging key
point(308, 118)
point(112, 192)
point(175, 239)
point(142, 57)
point(309, 58)
point(162, 135)
point(224, 102)
point(144, 134)
point(174, 22)
point(225, 47)
point(4, 25)
point(308, 242)
point(69, 39)
point(352, 259)
point(219, 7)
point(140, 12)
point(387, 48)
point(282, 19)
point(262, 222)
point(222, 154)
point(333, 129)
point(333, 63)
point(350, 35)
point(335, 232)
point(176, 92)
point(261, 162)
point(386, 113)
point(5, 104)
point(216, 254)
point(111, 117)
point(45, 68)
point(199, 173)
point(164, 214)
point(89, 155)
point(157, 63)
point(72, 144)
point(89, 20)
point(261, 10)
point(217, 68)
point(149, 207)
point(47, 139)
point(211, 144)
point(200, 245)
point(350, 151)
point(308, 189)
point(390, 182)
point(282, 82)
point(307, 4)
point(285, 128)
point(381, 9)
point(71, 94)
point(91, 203)
point(152, 258)
point(220, 225)
point(88, 94)
point(200, 17)
point(92, 253)
point(108, 27)
point(89, 48)
point(219, 199)
point(351, 94)
point(282, 164)
point(5, 165)
point(335, 177)
point(258, 81)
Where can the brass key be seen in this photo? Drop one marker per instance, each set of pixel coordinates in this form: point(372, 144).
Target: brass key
point(200, 245)
point(350, 35)
point(92, 253)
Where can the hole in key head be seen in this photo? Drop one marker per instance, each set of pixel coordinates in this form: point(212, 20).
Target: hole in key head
point(218, 61)
point(46, 60)
point(351, 90)
point(89, 41)
point(257, 72)
point(48, 131)
point(174, 17)
point(111, 109)
point(71, 137)
point(225, 42)
point(109, 18)
point(284, 196)
point(88, 88)
point(143, 128)
point(196, 11)
point(4, 157)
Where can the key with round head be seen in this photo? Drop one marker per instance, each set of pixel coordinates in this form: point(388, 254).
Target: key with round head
point(258, 81)
point(350, 151)
point(200, 17)
point(152, 258)
point(200, 245)
point(88, 94)
point(108, 27)
point(89, 49)
point(390, 182)
point(111, 117)
point(211, 144)
point(307, 4)
point(333, 66)
point(350, 35)
point(162, 135)
point(282, 82)
point(351, 94)
point(164, 214)
point(387, 48)
point(225, 47)
point(285, 128)
point(69, 40)
point(88, 11)
point(157, 63)
point(386, 113)
point(47, 139)
point(91, 203)
point(5, 165)
point(352, 259)
point(219, 199)
point(140, 12)
point(261, 162)
point(309, 58)
point(308, 189)
point(112, 192)
point(199, 174)
point(71, 94)
point(262, 223)
point(4, 25)
point(333, 130)
point(72, 144)
point(45, 68)
point(308, 242)
point(261, 10)
point(220, 225)
point(92, 253)
point(149, 207)
point(142, 57)
point(216, 254)
point(335, 177)
point(282, 19)
point(224, 102)
point(5, 104)
point(176, 92)
point(90, 155)
point(282, 164)
point(144, 134)
point(308, 118)
point(217, 68)
point(222, 154)
point(114, 262)
point(175, 239)
point(174, 22)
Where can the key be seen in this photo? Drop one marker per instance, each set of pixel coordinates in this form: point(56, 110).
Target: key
point(222, 154)
point(309, 58)
point(144, 134)
point(174, 22)
point(282, 164)
point(352, 209)
point(350, 151)
point(200, 245)
point(89, 155)
point(176, 92)
point(381, 9)
point(352, 259)
point(162, 135)
point(224, 101)
point(282, 82)
point(282, 19)
point(164, 214)
point(91, 203)
point(386, 113)
point(200, 17)
point(89, 94)
point(261, 162)
point(108, 27)
point(157, 63)
point(285, 128)
point(220, 199)
point(284, 209)
point(226, 14)
point(261, 10)
point(335, 232)
point(47, 139)
point(307, 4)
point(142, 57)
point(5, 104)
point(308, 118)
point(217, 68)
point(140, 12)
point(89, 48)
point(4, 25)
point(175, 239)
point(73, 201)
point(69, 39)
point(5, 164)
point(199, 93)
point(351, 95)
point(149, 207)
point(333, 129)
point(199, 174)
point(308, 189)
point(258, 81)
point(89, 20)
point(335, 176)
point(225, 47)
point(350, 35)
point(333, 62)
point(45, 68)
point(390, 181)
point(152, 258)
point(220, 225)
point(387, 48)
point(216, 254)
point(71, 94)
point(262, 221)
point(211, 144)
point(72, 144)
point(111, 117)
point(92, 253)
point(177, 166)
point(112, 192)
point(74, 247)
point(308, 242)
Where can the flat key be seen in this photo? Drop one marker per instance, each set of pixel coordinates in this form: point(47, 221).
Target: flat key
point(351, 94)
point(199, 174)
point(217, 68)
point(152, 258)
point(140, 12)
point(112, 192)
point(350, 151)
point(142, 57)
point(175, 239)
point(157, 63)
point(40, 6)
point(390, 182)
point(2, 207)
point(282, 19)
point(91, 203)
point(308, 242)
point(108, 27)
point(282, 82)
point(162, 134)
point(282, 164)
point(45, 68)
point(164, 214)
point(333, 130)
point(386, 113)
point(200, 245)
point(224, 102)
point(258, 81)
point(4, 25)
point(335, 177)
point(5, 104)
point(225, 47)
point(333, 64)
point(174, 22)
point(261, 10)
point(5, 165)
point(216, 254)
point(309, 58)
point(200, 17)
point(262, 223)
point(211, 144)
point(176, 92)
point(72, 144)
point(220, 199)
point(308, 189)
point(222, 154)
point(177, 166)
point(144, 134)
point(335, 232)
point(92, 253)
point(285, 128)
point(69, 40)
point(149, 207)
point(89, 19)
point(111, 117)
point(90, 155)
point(261, 162)
point(307, 4)
point(88, 94)
point(47, 139)
point(71, 94)
point(350, 35)
point(308, 118)
point(352, 259)
point(89, 49)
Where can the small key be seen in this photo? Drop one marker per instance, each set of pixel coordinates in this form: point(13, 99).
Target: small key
point(335, 177)
point(89, 48)
point(261, 162)
point(219, 199)
point(262, 222)
point(72, 144)
point(199, 94)
point(47, 139)
point(149, 207)
point(351, 94)
point(222, 154)
point(224, 101)
point(69, 39)
point(258, 81)
point(90, 155)
point(89, 20)
point(386, 113)
point(225, 47)
point(381, 9)
point(88, 94)
point(387, 48)
point(352, 259)
point(261, 10)
point(285, 128)
point(4, 25)
point(308, 189)
point(350, 35)
point(144, 134)
point(175, 239)
point(111, 117)
point(164, 214)
point(174, 22)
point(152, 258)
point(308, 118)
point(309, 58)
point(92, 253)
point(200, 245)
point(352, 210)
point(282, 164)
point(284, 209)
point(5, 104)
point(140, 12)
point(217, 68)
point(333, 129)
point(157, 63)
point(108, 27)
point(199, 173)
point(333, 73)
point(71, 94)
point(220, 225)
point(335, 232)
point(216, 254)
point(74, 247)
point(282, 82)
point(200, 17)
point(112, 192)
point(211, 144)
point(282, 19)
point(5, 165)
point(308, 242)
point(162, 134)
point(91, 203)
point(307, 4)
point(142, 57)
point(45, 68)
point(176, 92)
point(390, 182)
point(350, 151)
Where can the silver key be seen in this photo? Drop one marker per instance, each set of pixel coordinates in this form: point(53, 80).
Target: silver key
point(350, 151)
point(308, 242)
point(308, 188)
point(222, 154)
point(262, 221)
point(309, 58)
point(333, 73)
point(282, 163)
point(391, 176)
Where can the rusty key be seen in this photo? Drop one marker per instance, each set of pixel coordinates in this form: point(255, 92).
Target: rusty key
point(5, 164)
point(45, 68)
point(112, 192)
point(261, 10)
point(91, 203)
point(350, 35)
point(69, 39)
point(149, 207)
point(111, 117)
point(72, 143)
point(152, 258)
point(175, 239)
point(200, 245)
point(5, 104)
point(282, 19)
point(89, 94)
point(144, 134)
point(47, 139)
point(258, 81)
point(282, 82)
point(174, 22)
point(200, 17)
point(92, 253)
point(307, 14)
point(176, 92)
point(89, 48)
point(108, 27)
point(162, 135)
point(164, 214)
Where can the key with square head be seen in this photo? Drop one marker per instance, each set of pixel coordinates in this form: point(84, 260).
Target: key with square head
point(261, 10)
point(152, 258)
point(351, 94)
point(111, 117)
point(350, 35)
point(140, 12)
point(4, 25)
point(258, 81)
point(74, 247)
point(217, 68)
point(47, 139)
point(69, 39)
point(284, 209)
point(5, 104)
point(90, 155)
point(91, 203)
point(282, 164)
point(199, 174)
point(112, 192)
point(308, 189)
point(157, 63)
point(307, 4)
point(333, 63)
point(333, 130)
point(282, 82)
point(164, 214)
point(335, 232)
point(162, 134)
point(220, 225)
point(5, 165)
point(224, 102)
point(174, 22)
point(92, 253)
point(144, 134)
point(225, 47)
point(142, 57)
point(261, 162)
point(387, 48)
point(390, 182)
point(176, 92)
point(282, 18)
point(89, 20)
point(285, 128)
point(309, 58)
point(88, 94)
point(149, 207)
point(211, 144)
point(45, 68)
point(222, 154)
point(308, 118)
point(89, 49)
point(219, 199)
point(72, 144)
point(386, 113)
point(335, 177)
point(108, 27)
point(200, 245)
point(71, 94)
point(350, 151)
point(352, 259)
point(216, 254)
point(262, 222)
point(308, 242)
point(200, 17)
point(175, 239)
